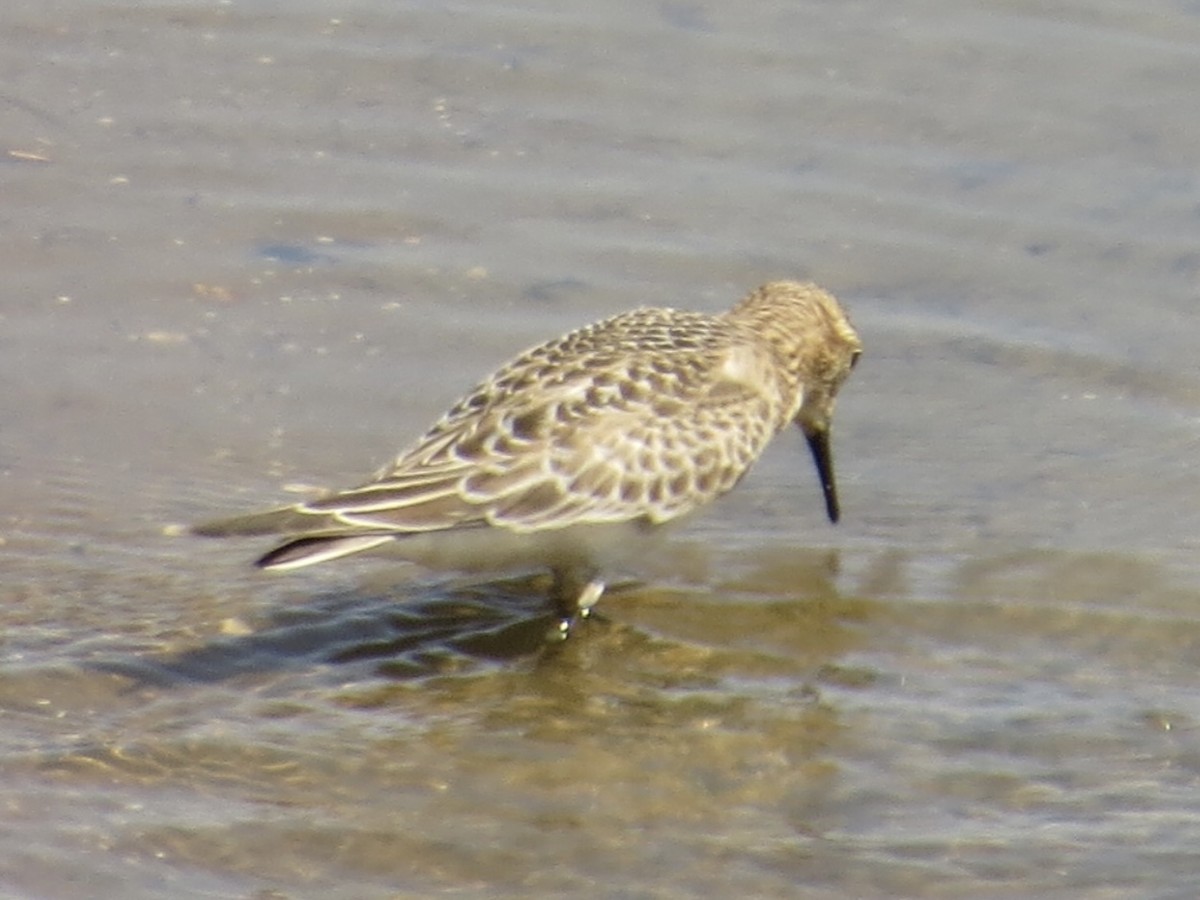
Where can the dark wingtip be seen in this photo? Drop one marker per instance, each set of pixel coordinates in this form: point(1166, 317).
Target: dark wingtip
point(214, 528)
point(272, 521)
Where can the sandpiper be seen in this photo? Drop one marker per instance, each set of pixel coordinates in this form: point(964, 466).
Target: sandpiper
point(566, 453)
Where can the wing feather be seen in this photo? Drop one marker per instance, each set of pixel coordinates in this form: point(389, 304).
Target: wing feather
point(645, 416)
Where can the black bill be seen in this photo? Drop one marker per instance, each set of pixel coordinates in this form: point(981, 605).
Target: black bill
point(818, 443)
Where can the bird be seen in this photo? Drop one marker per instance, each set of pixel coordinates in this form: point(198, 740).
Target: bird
point(580, 447)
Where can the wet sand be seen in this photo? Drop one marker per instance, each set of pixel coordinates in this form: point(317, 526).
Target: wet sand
point(244, 252)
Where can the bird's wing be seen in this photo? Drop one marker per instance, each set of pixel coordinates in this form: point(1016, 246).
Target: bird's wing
point(621, 438)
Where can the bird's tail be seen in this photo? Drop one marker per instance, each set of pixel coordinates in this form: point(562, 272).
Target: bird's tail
point(313, 537)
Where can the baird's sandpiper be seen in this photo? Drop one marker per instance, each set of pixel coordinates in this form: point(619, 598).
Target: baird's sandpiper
point(569, 451)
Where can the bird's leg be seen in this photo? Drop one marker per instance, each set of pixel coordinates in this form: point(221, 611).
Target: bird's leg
point(574, 592)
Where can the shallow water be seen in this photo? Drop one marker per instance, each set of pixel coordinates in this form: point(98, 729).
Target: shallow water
point(248, 247)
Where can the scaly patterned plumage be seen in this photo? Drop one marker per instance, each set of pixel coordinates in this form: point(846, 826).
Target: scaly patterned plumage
point(624, 424)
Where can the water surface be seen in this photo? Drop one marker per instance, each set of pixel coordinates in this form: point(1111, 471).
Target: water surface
point(248, 247)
